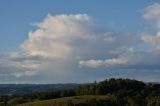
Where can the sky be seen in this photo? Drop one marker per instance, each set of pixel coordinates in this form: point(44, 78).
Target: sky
point(44, 41)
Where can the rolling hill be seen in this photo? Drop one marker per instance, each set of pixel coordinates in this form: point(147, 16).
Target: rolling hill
point(112, 92)
point(88, 100)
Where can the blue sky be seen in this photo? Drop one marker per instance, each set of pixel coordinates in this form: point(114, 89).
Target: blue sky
point(17, 16)
point(120, 31)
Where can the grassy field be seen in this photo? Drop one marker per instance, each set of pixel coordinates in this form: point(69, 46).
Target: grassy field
point(67, 100)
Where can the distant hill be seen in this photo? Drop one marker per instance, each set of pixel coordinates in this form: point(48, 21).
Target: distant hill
point(11, 89)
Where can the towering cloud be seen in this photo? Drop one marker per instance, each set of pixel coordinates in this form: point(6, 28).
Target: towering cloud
point(69, 46)
point(53, 37)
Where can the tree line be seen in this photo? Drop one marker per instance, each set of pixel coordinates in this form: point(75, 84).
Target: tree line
point(120, 92)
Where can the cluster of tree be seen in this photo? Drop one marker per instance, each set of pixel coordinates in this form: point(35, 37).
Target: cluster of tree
point(123, 92)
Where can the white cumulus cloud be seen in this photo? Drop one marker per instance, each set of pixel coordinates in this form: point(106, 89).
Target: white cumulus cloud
point(53, 36)
point(62, 43)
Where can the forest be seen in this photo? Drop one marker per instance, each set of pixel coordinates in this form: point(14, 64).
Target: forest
point(110, 92)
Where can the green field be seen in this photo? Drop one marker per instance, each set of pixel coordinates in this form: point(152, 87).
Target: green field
point(69, 101)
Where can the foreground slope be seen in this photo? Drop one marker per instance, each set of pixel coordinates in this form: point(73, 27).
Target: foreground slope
point(88, 100)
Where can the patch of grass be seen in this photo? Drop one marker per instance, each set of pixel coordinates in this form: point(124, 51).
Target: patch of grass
point(67, 101)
